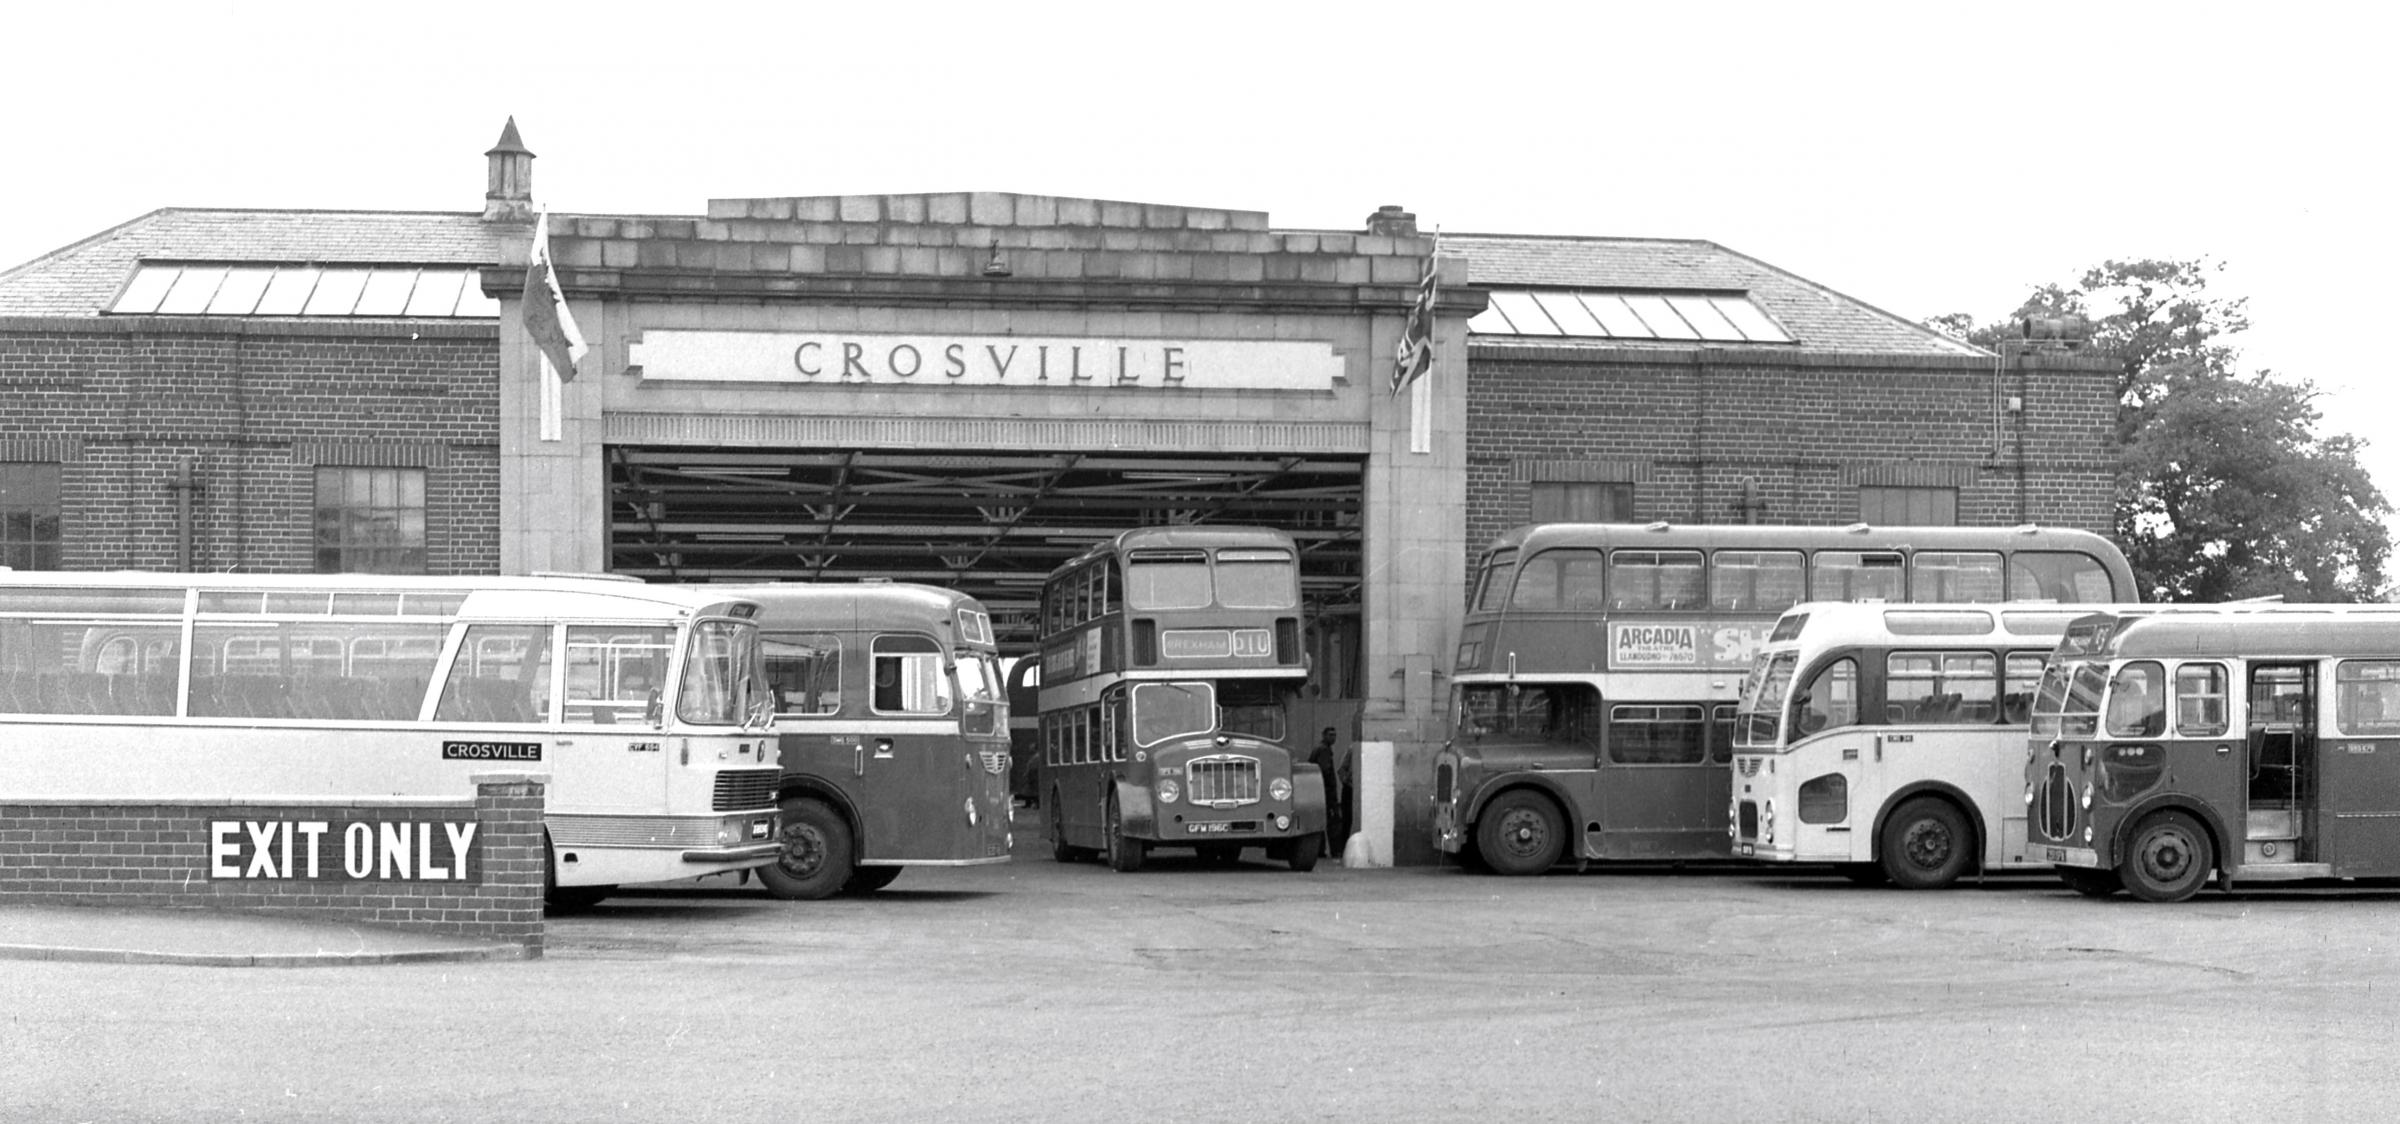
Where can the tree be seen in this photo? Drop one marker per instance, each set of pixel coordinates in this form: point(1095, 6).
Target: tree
point(2225, 489)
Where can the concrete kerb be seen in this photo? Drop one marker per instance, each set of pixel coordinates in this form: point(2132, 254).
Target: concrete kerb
point(266, 960)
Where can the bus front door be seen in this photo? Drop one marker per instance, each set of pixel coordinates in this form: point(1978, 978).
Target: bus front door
point(2281, 739)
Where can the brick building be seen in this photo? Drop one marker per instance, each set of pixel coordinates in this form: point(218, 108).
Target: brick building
point(967, 388)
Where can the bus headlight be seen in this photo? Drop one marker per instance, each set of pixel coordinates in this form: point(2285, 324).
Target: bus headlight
point(2087, 759)
point(1280, 788)
point(2087, 796)
point(1168, 791)
point(1283, 823)
point(1766, 822)
point(972, 815)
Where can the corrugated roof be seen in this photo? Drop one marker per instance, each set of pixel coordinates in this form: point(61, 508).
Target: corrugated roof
point(1819, 318)
point(81, 279)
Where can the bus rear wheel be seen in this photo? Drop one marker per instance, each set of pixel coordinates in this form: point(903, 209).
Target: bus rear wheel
point(2091, 883)
point(1060, 849)
point(1926, 845)
point(1124, 855)
point(2167, 859)
point(1520, 832)
point(868, 879)
point(815, 862)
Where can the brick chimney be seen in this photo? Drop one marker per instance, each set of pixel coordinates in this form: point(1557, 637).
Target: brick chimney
point(1390, 220)
point(508, 186)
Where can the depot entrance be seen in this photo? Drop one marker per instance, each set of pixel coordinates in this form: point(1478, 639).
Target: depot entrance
point(990, 524)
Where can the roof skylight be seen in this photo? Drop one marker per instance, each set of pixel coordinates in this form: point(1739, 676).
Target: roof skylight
point(1627, 314)
point(217, 289)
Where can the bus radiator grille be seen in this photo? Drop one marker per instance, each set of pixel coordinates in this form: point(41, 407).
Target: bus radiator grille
point(633, 831)
point(740, 790)
point(1223, 780)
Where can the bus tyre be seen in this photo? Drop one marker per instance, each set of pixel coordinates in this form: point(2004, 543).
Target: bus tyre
point(2091, 883)
point(868, 879)
point(815, 862)
point(565, 899)
point(1060, 849)
point(1306, 850)
point(1926, 845)
point(2167, 859)
point(1520, 832)
point(1124, 855)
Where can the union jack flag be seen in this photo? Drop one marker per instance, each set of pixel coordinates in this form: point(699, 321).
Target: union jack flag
point(1414, 356)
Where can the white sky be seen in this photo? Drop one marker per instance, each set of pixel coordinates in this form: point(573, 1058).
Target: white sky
point(1924, 158)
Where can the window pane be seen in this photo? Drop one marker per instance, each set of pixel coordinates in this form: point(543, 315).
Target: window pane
point(1704, 318)
point(288, 293)
point(386, 292)
point(1569, 314)
point(1661, 318)
point(1525, 315)
point(240, 292)
point(436, 293)
point(1754, 581)
point(2058, 575)
point(1613, 315)
point(336, 293)
point(1850, 575)
point(1560, 579)
point(370, 520)
point(1752, 323)
point(1654, 579)
point(193, 290)
point(1954, 576)
point(149, 286)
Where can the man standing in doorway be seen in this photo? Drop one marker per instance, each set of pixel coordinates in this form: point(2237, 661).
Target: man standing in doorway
point(1329, 764)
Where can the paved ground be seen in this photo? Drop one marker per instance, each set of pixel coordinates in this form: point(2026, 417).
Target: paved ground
point(1039, 992)
point(213, 938)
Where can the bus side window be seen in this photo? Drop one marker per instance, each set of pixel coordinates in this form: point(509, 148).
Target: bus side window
point(2200, 700)
point(2137, 701)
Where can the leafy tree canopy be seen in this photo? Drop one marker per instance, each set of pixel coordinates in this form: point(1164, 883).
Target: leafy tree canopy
point(2226, 489)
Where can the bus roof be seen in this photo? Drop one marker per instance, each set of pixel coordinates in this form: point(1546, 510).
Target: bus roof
point(867, 604)
point(594, 595)
point(1826, 624)
point(1794, 536)
point(1199, 536)
point(2243, 629)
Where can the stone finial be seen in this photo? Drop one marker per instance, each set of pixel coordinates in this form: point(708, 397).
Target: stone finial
point(1392, 221)
point(508, 183)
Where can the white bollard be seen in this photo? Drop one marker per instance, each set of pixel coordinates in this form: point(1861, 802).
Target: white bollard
point(1371, 844)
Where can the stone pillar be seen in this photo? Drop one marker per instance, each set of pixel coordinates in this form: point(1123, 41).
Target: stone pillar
point(516, 855)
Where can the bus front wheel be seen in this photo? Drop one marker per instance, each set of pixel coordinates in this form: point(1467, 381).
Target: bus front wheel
point(1124, 855)
point(1926, 845)
point(1060, 849)
point(868, 879)
point(2167, 859)
point(1520, 833)
point(2091, 883)
point(1303, 852)
point(815, 862)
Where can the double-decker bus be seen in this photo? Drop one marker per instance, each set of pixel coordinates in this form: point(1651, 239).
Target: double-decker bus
point(2254, 743)
point(646, 705)
point(895, 725)
point(1169, 655)
point(1890, 739)
point(1599, 663)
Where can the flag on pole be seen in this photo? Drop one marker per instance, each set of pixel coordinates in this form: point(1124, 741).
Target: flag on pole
point(1414, 356)
point(545, 307)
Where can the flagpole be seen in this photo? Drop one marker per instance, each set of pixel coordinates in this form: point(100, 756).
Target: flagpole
point(553, 400)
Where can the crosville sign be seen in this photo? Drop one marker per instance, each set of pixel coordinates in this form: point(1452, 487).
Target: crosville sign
point(362, 850)
point(1056, 363)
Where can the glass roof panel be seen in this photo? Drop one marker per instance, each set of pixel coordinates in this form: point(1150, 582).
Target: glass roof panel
point(1705, 319)
point(1491, 322)
point(1754, 324)
point(386, 293)
point(239, 294)
point(1655, 312)
point(337, 292)
point(472, 302)
point(1569, 314)
point(1522, 312)
point(288, 293)
point(1613, 315)
point(149, 284)
point(193, 290)
point(436, 293)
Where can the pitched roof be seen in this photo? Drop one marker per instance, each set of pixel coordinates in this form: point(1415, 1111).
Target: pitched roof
point(1819, 318)
point(81, 279)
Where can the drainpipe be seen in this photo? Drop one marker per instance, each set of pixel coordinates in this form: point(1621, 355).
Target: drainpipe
point(183, 516)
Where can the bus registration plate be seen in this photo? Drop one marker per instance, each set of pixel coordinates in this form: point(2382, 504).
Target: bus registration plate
point(2071, 856)
point(1205, 828)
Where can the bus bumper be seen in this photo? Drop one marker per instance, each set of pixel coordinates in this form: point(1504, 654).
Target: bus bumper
point(762, 852)
point(2084, 857)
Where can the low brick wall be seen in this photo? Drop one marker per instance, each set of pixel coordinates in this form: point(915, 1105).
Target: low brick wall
point(470, 867)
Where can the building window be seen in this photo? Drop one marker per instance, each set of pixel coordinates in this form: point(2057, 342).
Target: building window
point(1908, 507)
point(370, 521)
point(29, 516)
point(1582, 502)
